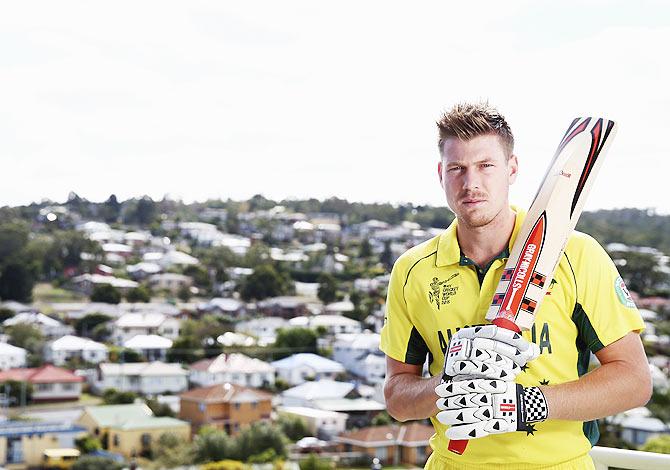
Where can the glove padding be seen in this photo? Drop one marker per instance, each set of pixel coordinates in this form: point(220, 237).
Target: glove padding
point(487, 352)
point(477, 408)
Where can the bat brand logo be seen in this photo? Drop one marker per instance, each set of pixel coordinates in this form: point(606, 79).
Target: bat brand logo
point(507, 407)
point(527, 258)
point(565, 173)
point(441, 292)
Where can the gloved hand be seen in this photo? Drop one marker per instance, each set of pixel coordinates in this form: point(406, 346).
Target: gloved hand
point(477, 408)
point(487, 352)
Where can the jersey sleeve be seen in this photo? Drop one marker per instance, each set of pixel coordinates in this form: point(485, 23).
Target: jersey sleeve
point(400, 339)
point(605, 311)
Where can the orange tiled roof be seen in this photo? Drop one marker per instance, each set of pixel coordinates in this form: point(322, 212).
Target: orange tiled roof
point(225, 392)
point(44, 374)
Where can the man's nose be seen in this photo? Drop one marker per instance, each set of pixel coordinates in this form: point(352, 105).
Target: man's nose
point(471, 180)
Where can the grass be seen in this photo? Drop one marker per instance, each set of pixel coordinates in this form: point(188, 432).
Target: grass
point(45, 292)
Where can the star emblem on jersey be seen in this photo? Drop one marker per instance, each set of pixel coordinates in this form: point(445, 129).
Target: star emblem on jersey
point(524, 367)
point(544, 382)
point(440, 292)
point(530, 429)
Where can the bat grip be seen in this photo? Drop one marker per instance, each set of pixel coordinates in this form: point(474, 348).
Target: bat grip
point(458, 446)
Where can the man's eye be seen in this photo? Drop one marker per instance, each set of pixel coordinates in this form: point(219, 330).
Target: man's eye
point(487, 165)
point(454, 168)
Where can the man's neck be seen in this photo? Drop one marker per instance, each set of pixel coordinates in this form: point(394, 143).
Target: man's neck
point(482, 244)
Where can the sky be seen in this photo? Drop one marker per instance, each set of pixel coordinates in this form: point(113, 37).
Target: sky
point(299, 99)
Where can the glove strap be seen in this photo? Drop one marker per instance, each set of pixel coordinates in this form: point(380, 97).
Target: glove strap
point(533, 405)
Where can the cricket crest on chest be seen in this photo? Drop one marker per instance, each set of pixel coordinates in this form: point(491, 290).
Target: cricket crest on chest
point(441, 291)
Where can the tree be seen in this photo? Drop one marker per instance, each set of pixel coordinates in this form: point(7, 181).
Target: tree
point(106, 293)
point(185, 349)
point(87, 324)
point(19, 393)
point(641, 272)
point(292, 340)
point(259, 436)
point(327, 288)
point(265, 282)
point(146, 211)
point(199, 275)
point(26, 336)
point(160, 409)
point(13, 239)
point(212, 445)
point(387, 256)
point(365, 250)
point(16, 282)
point(171, 451)
point(382, 419)
point(87, 444)
point(138, 294)
point(315, 463)
point(658, 444)
point(111, 209)
point(112, 396)
point(88, 462)
point(293, 426)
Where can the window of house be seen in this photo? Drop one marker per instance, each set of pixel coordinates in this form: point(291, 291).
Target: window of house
point(146, 440)
point(44, 387)
point(116, 440)
point(68, 387)
point(254, 404)
point(237, 406)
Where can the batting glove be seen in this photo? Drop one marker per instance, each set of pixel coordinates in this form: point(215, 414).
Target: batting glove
point(480, 407)
point(487, 352)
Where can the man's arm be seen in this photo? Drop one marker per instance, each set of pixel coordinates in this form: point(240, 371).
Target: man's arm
point(622, 382)
point(409, 396)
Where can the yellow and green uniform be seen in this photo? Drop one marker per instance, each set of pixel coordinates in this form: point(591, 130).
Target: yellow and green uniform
point(435, 290)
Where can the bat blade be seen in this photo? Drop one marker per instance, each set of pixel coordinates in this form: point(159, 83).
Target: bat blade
point(551, 219)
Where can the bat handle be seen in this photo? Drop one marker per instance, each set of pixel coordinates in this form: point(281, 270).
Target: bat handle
point(458, 446)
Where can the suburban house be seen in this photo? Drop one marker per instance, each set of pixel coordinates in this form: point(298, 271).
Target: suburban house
point(284, 306)
point(176, 258)
point(320, 423)
point(142, 270)
point(224, 306)
point(234, 368)
point(131, 429)
point(130, 325)
point(333, 324)
point(301, 367)
point(638, 425)
point(341, 397)
point(49, 383)
point(225, 406)
point(146, 378)
point(392, 445)
point(11, 356)
point(171, 282)
point(264, 328)
point(73, 347)
point(85, 283)
point(152, 347)
point(359, 354)
point(22, 443)
point(50, 327)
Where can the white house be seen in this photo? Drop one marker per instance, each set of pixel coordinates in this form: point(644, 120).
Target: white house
point(147, 378)
point(358, 353)
point(301, 367)
point(87, 282)
point(49, 327)
point(169, 281)
point(70, 347)
point(265, 328)
point(11, 357)
point(304, 394)
point(176, 258)
point(223, 306)
point(152, 347)
point(234, 368)
point(334, 324)
point(130, 325)
point(322, 423)
point(637, 425)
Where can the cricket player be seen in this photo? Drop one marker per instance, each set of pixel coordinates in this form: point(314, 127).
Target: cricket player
point(546, 398)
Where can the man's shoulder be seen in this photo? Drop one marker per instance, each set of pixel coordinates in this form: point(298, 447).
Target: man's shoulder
point(583, 249)
point(417, 253)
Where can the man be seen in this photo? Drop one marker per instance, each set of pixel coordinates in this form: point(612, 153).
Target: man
point(441, 289)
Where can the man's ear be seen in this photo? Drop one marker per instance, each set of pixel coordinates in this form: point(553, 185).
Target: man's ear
point(439, 170)
point(513, 165)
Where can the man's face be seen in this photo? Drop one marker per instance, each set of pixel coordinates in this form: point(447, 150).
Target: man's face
point(476, 175)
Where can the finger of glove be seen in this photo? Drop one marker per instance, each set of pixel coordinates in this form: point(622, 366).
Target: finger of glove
point(465, 416)
point(482, 370)
point(471, 400)
point(508, 359)
point(496, 333)
point(499, 426)
point(449, 389)
point(467, 431)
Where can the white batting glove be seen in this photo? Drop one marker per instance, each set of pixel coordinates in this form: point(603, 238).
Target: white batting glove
point(480, 407)
point(487, 352)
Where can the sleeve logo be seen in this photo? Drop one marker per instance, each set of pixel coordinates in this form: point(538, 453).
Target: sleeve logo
point(622, 293)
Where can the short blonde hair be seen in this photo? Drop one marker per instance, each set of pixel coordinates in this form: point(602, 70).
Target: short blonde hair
point(466, 121)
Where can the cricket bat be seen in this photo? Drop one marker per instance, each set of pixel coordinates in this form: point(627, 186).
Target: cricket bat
point(551, 219)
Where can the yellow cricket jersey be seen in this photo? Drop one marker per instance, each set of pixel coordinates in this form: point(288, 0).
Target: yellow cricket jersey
point(434, 291)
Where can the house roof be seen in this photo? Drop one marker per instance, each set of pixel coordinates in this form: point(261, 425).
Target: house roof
point(235, 363)
point(364, 341)
point(150, 422)
point(310, 412)
point(225, 393)
point(111, 415)
point(32, 318)
point(314, 361)
point(75, 343)
point(156, 368)
point(323, 320)
point(140, 320)
point(148, 342)
point(44, 374)
point(321, 389)
point(411, 434)
point(27, 428)
point(346, 405)
point(6, 348)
